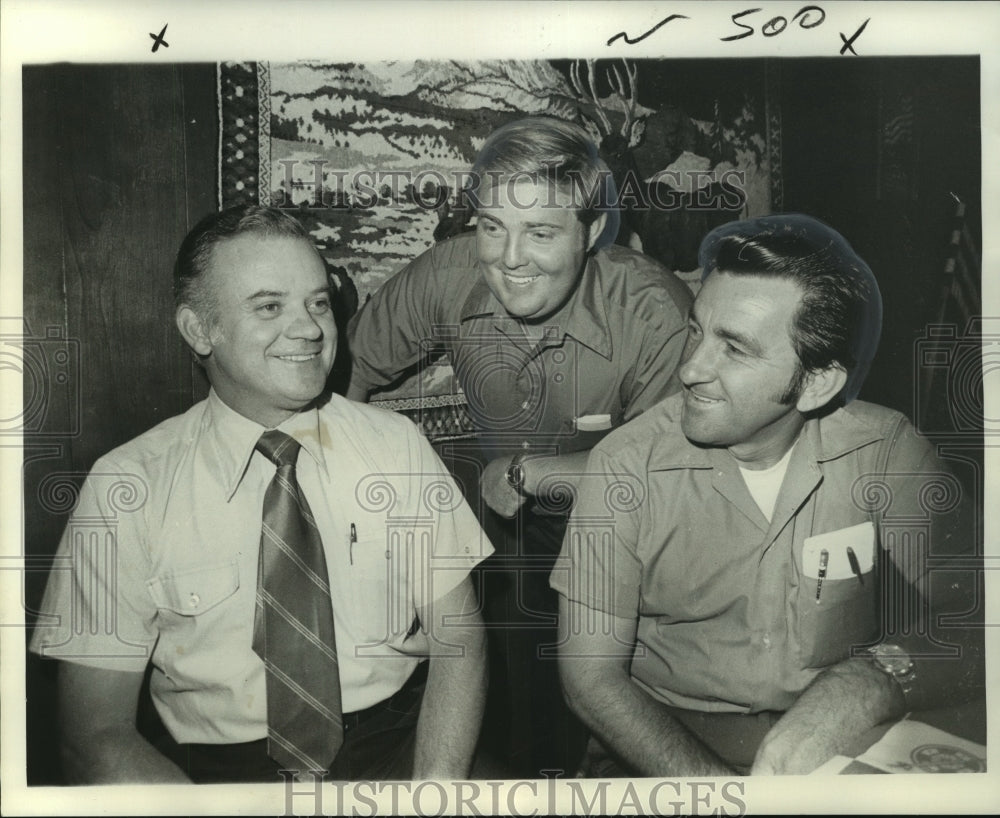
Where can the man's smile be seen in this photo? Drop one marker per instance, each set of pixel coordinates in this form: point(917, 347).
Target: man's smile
point(521, 280)
point(703, 400)
point(299, 358)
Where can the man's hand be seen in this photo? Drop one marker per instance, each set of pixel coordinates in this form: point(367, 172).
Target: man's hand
point(500, 495)
point(839, 706)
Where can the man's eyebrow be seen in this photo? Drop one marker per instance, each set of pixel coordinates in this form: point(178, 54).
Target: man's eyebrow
point(265, 294)
point(748, 342)
point(528, 225)
point(323, 289)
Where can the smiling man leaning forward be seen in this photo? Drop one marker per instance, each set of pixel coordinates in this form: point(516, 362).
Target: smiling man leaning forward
point(556, 336)
point(244, 551)
point(731, 551)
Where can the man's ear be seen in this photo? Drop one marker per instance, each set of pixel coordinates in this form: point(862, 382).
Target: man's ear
point(595, 230)
point(193, 330)
point(821, 386)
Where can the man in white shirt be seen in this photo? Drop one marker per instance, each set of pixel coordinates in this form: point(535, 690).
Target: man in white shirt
point(164, 548)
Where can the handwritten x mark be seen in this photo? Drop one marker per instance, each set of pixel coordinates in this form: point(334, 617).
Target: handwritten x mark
point(849, 44)
point(158, 38)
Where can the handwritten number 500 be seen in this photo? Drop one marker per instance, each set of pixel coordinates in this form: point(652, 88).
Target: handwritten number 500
point(807, 17)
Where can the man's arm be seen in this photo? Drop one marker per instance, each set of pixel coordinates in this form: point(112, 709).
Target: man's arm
point(852, 696)
point(933, 590)
point(595, 652)
point(452, 710)
point(99, 742)
point(544, 476)
point(842, 703)
point(396, 328)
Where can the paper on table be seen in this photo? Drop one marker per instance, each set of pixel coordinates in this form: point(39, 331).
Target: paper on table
point(914, 747)
point(832, 767)
point(844, 765)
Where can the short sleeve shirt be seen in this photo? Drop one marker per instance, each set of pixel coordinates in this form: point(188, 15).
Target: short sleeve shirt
point(729, 614)
point(608, 354)
point(159, 559)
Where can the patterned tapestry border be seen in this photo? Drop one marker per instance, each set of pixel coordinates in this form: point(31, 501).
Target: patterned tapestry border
point(772, 104)
point(440, 417)
point(244, 136)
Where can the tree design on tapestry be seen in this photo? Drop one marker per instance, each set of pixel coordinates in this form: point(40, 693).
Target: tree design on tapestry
point(371, 157)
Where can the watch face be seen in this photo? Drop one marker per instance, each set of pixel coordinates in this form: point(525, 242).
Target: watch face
point(893, 659)
point(896, 665)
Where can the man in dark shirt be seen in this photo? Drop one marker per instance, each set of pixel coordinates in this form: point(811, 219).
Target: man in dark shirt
point(556, 337)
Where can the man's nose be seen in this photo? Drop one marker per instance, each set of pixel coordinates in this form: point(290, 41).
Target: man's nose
point(697, 364)
point(513, 251)
point(305, 325)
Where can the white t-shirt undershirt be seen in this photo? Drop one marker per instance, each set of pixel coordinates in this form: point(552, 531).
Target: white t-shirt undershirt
point(764, 484)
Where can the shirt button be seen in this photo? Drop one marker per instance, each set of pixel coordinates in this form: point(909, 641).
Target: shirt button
point(194, 600)
point(767, 640)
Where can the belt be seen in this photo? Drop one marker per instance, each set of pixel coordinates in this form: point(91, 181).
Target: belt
point(397, 699)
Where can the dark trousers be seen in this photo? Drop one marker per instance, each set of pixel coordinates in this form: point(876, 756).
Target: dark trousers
point(378, 746)
point(733, 737)
point(528, 727)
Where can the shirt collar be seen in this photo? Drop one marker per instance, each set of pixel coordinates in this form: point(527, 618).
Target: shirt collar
point(821, 439)
point(584, 316)
point(839, 433)
point(233, 437)
point(672, 449)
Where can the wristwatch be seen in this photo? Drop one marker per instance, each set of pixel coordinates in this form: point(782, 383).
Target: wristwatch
point(894, 661)
point(515, 473)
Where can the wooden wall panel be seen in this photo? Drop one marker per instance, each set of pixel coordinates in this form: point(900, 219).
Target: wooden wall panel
point(119, 162)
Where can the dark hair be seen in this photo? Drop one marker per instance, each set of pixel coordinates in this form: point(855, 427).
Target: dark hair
point(196, 249)
point(839, 320)
point(542, 148)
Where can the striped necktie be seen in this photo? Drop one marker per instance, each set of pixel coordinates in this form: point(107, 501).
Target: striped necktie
point(293, 625)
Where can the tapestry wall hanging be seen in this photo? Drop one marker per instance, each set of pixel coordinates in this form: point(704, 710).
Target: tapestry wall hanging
point(370, 157)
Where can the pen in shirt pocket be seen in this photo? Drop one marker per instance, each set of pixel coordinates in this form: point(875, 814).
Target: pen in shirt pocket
point(824, 559)
point(852, 558)
point(353, 539)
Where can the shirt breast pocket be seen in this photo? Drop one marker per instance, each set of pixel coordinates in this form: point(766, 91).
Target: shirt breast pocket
point(836, 600)
point(197, 591)
point(205, 624)
point(381, 577)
